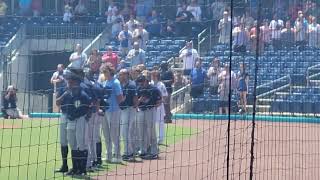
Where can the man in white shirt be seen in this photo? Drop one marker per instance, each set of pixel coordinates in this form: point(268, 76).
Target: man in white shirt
point(136, 56)
point(195, 9)
point(276, 26)
point(225, 28)
point(188, 56)
point(78, 58)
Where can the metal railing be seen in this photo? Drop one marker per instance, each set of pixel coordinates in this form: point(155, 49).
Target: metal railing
point(15, 42)
point(180, 99)
point(64, 31)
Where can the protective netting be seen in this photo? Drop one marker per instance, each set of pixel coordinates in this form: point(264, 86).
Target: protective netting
point(245, 99)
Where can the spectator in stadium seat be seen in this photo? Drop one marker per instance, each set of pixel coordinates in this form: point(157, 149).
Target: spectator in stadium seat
point(136, 56)
point(266, 33)
point(141, 36)
point(125, 39)
point(57, 78)
point(276, 25)
point(67, 13)
point(224, 28)
point(189, 55)
point(287, 35)
point(179, 81)
point(301, 28)
point(212, 75)
point(240, 38)
point(132, 23)
point(198, 76)
point(3, 8)
point(224, 88)
point(218, 9)
point(195, 10)
point(153, 24)
point(78, 58)
point(111, 57)
point(9, 104)
point(183, 20)
point(314, 33)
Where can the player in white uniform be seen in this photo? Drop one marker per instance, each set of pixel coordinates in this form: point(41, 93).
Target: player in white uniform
point(160, 111)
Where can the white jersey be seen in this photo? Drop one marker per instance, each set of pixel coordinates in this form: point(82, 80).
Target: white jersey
point(160, 112)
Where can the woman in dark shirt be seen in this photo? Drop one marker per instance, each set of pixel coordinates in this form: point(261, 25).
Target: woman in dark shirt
point(243, 81)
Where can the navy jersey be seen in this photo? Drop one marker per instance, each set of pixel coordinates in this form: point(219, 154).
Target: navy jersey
point(151, 94)
point(167, 78)
point(129, 92)
point(76, 106)
point(60, 91)
point(9, 103)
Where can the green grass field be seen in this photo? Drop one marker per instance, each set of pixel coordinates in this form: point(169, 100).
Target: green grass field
point(32, 149)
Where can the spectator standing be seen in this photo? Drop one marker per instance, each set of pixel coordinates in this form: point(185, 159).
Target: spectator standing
point(276, 25)
point(132, 23)
point(179, 81)
point(183, 20)
point(189, 55)
point(224, 28)
point(198, 76)
point(3, 8)
point(240, 38)
point(78, 58)
point(36, 7)
point(136, 56)
point(314, 33)
point(25, 7)
point(243, 86)
point(126, 11)
point(141, 36)
point(301, 27)
point(224, 88)
point(110, 57)
point(195, 10)
point(169, 29)
point(143, 7)
point(125, 39)
point(112, 9)
point(247, 20)
point(167, 77)
point(253, 39)
point(266, 33)
point(212, 75)
point(287, 35)
point(80, 9)
point(93, 63)
point(67, 16)
point(218, 9)
point(153, 24)
point(57, 78)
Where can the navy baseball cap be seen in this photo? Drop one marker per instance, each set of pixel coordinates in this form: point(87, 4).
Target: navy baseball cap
point(141, 79)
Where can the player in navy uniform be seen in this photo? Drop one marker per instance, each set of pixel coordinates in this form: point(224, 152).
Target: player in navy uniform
point(128, 114)
point(167, 77)
point(149, 97)
point(63, 131)
point(77, 104)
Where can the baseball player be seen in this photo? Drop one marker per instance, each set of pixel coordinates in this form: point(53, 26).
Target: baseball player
point(160, 112)
point(111, 122)
point(149, 97)
point(95, 91)
point(77, 104)
point(63, 133)
point(128, 114)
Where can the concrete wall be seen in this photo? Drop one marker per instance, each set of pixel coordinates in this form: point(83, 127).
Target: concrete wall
point(19, 70)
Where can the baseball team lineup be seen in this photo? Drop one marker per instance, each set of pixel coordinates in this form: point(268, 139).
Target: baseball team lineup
point(124, 104)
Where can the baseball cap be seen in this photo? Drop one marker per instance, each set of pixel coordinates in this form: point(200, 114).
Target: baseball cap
point(141, 79)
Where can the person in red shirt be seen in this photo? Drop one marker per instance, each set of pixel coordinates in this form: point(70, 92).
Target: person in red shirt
point(111, 57)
